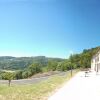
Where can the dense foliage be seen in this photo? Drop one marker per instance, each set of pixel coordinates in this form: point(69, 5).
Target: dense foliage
point(29, 66)
point(83, 59)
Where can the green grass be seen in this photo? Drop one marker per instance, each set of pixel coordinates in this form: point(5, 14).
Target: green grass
point(38, 91)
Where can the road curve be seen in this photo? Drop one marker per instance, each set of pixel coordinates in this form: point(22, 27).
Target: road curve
point(32, 80)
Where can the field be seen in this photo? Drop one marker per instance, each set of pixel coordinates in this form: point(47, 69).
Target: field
point(39, 91)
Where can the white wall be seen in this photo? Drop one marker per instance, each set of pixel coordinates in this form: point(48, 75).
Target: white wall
point(95, 62)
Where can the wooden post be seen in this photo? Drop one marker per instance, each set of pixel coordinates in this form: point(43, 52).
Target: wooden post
point(71, 71)
point(9, 82)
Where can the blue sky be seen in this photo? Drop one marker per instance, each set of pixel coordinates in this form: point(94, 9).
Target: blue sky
point(54, 28)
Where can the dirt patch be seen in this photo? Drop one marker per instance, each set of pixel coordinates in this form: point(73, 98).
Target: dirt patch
point(45, 74)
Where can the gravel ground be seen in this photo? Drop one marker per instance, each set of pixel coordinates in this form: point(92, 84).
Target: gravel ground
point(80, 88)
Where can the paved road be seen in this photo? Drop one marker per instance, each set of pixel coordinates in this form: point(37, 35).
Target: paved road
point(80, 88)
point(32, 80)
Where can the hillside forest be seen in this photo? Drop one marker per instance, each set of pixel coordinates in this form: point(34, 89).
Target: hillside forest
point(24, 67)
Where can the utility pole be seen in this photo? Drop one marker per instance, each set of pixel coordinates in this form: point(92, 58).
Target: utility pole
point(71, 63)
point(71, 71)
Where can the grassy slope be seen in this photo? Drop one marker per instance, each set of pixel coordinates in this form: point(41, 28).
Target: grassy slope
point(38, 91)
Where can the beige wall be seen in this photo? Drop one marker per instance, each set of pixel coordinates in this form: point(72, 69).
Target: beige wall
point(95, 62)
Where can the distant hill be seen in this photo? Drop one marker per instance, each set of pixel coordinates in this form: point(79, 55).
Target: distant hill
point(18, 63)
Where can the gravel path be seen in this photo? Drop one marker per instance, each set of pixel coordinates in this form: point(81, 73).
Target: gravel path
point(80, 88)
point(32, 80)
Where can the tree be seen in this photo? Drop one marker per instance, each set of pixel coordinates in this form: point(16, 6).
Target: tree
point(25, 74)
point(18, 74)
point(8, 76)
point(52, 65)
point(35, 68)
point(31, 70)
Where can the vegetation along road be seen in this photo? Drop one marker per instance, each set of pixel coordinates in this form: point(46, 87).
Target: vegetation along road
point(34, 79)
point(39, 91)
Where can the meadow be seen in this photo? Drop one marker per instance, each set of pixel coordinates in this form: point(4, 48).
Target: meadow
point(39, 91)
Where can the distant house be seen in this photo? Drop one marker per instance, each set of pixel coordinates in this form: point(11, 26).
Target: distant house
point(95, 62)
